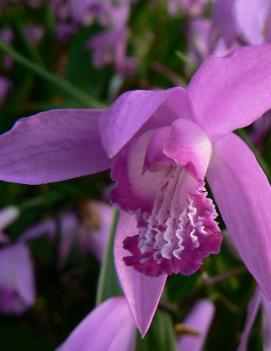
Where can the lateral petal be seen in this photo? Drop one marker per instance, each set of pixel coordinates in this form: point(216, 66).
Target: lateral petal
point(52, 146)
point(243, 195)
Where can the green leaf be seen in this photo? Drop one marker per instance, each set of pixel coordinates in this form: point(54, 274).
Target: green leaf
point(108, 284)
point(160, 336)
point(66, 86)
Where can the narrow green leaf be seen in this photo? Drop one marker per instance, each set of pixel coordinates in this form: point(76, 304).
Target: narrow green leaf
point(108, 284)
point(160, 337)
point(67, 87)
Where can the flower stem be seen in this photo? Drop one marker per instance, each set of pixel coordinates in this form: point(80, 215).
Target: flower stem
point(66, 87)
point(108, 284)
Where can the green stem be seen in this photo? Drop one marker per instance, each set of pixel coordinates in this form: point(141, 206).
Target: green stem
point(32, 203)
point(108, 284)
point(61, 83)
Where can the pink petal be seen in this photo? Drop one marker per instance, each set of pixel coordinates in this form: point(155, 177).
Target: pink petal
point(251, 18)
point(189, 147)
point(225, 21)
point(133, 109)
point(134, 188)
point(233, 91)
point(143, 293)
point(252, 311)
point(109, 327)
point(266, 324)
point(8, 215)
point(243, 195)
point(17, 290)
point(52, 146)
point(200, 319)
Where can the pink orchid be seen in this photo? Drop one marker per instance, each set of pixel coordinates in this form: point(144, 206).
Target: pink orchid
point(192, 7)
point(17, 285)
point(110, 327)
point(89, 234)
point(161, 145)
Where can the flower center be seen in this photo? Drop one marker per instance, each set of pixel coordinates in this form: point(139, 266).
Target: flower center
point(179, 231)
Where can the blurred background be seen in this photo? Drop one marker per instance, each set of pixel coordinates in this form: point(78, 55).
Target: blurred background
point(71, 53)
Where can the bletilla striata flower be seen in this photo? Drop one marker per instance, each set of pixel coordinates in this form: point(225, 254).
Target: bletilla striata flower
point(161, 146)
point(110, 327)
point(85, 233)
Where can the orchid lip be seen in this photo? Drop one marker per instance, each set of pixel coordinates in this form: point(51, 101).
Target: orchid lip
point(179, 231)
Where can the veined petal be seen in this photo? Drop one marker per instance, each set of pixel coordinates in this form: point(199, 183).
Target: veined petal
point(252, 312)
point(142, 293)
point(199, 319)
point(109, 327)
point(52, 146)
point(233, 91)
point(133, 109)
point(243, 195)
point(189, 147)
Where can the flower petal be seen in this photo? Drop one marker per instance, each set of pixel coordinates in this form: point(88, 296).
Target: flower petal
point(109, 327)
point(134, 188)
point(233, 91)
point(251, 18)
point(243, 195)
point(52, 146)
point(224, 20)
point(266, 324)
point(132, 110)
point(8, 215)
point(252, 312)
point(189, 147)
point(200, 319)
point(143, 293)
point(17, 290)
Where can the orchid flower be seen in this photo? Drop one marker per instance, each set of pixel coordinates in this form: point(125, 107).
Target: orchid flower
point(109, 327)
point(161, 145)
point(110, 45)
point(88, 234)
point(17, 290)
point(192, 7)
point(202, 41)
point(84, 11)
